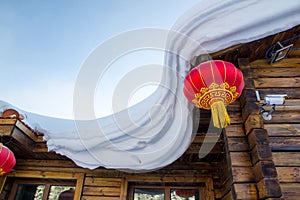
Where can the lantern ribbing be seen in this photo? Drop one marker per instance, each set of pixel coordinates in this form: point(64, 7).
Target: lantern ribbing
point(7, 160)
point(213, 85)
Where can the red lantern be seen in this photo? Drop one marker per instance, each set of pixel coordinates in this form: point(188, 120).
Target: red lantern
point(67, 195)
point(213, 85)
point(7, 160)
point(185, 193)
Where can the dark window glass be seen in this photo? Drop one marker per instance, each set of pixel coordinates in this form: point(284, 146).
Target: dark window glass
point(29, 192)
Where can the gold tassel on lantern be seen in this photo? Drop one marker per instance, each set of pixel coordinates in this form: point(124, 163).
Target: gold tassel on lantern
point(219, 114)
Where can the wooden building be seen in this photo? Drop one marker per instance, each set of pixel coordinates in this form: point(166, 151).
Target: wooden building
point(253, 158)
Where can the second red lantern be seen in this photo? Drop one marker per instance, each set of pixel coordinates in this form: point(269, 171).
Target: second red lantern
point(213, 85)
point(7, 160)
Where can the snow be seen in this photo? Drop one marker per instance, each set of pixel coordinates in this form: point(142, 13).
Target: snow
point(158, 130)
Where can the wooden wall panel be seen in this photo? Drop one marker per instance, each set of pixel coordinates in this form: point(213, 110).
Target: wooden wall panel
point(104, 188)
point(291, 191)
point(288, 174)
point(284, 127)
point(110, 184)
point(240, 159)
point(246, 191)
point(240, 183)
point(283, 130)
point(288, 159)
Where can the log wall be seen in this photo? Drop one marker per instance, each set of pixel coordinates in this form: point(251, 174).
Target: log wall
point(275, 143)
point(104, 184)
point(241, 179)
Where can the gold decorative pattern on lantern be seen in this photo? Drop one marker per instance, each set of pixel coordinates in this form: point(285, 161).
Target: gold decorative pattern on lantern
point(215, 92)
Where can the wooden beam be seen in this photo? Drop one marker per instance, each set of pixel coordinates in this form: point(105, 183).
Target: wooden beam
point(207, 138)
point(23, 139)
point(167, 178)
point(46, 163)
point(268, 188)
point(275, 72)
point(40, 148)
point(264, 169)
point(250, 108)
point(258, 137)
point(105, 182)
point(246, 191)
point(283, 130)
point(285, 143)
point(79, 185)
point(248, 95)
point(236, 130)
point(194, 149)
point(288, 63)
point(7, 121)
point(6, 130)
point(228, 196)
point(238, 144)
point(290, 190)
point(224, 186)
point(43, 174)
point(101, 191)
point(25, 130)
point(286, 159)
point(284, 118)
point(124, 189)
point(288, 174)
point(7, 126)
point(253, 121)
point(278, 83)
point(209, 189)
point(243, 175)
point(261, 152)
point(240, 159)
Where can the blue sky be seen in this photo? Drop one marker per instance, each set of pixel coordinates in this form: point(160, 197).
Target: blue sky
point(44, 43)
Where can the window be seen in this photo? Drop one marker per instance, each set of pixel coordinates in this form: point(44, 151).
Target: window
point(43, 189)
point(166, 191)
point(43, 183)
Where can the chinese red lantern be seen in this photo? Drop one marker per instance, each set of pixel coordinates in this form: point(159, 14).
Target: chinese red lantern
point(7, 160)
point(67, 195)
point(185, 193)
point(213, 85)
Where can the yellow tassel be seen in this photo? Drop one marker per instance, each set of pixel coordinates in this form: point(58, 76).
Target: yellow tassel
point(1, 171)
point(219, 114)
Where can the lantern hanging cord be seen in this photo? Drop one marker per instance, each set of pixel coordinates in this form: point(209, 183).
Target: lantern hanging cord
point(272, 47)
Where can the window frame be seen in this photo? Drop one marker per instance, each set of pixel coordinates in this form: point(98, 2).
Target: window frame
point(36, 181)
point(77, 177)
point(167, 190)
point(205, 184)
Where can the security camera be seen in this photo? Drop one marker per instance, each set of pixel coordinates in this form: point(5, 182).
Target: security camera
point(270, 100)
point(275, 99)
